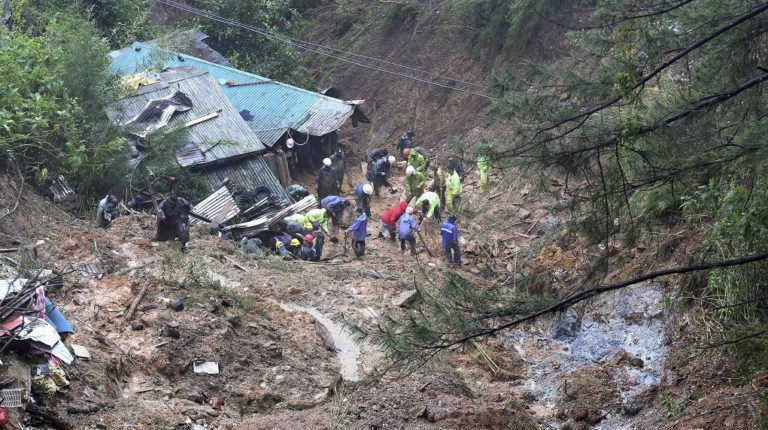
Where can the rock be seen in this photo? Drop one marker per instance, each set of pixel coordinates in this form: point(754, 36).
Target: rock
point(551, 224)
point(197, 398)
point(561, 205)
point(566, 325)
point(406, 298)
point(325, 336)
point(87, 408)
point(234, 320)
point(101, 425)
point(274, 351)
point(137, 326)
point(471, 247)
point(624, 358)
point(177, 304)
point(172, 332)
point(579, 413)
point(523, 213)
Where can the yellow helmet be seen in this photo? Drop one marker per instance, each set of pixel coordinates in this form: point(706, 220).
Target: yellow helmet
point(295, 242)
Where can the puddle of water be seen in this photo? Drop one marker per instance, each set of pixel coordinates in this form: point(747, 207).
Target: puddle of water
point(347, 350)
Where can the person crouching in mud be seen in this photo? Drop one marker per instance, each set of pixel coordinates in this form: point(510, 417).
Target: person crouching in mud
point(173, 220)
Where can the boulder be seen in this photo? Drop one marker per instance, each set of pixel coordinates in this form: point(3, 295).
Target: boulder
point(406, 298)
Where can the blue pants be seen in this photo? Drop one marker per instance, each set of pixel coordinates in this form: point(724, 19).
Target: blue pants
point(453, 253)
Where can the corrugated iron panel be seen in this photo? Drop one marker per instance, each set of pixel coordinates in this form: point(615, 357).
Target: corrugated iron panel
point(220, 201)
point(275, 106)
point(222, 137)
point(246, 174)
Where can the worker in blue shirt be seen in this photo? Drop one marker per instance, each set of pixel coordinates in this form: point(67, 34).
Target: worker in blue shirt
point(359, 230)
point(335, 205)
point(450, 234)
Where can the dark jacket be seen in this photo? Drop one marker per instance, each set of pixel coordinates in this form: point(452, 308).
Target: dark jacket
point(327, 184)
point(174, 210)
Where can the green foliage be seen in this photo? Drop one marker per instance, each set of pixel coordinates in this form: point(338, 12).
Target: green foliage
point(518, 24)
point(402, 14)
point(253, 52)
point(54, 94)
point(449, 311)
point(738, 295)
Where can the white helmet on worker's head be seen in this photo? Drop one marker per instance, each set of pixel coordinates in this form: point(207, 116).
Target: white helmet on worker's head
point(289, 143)
point(368, 189)
point(409, 210)
point(391, 159)
point(409, 171)
point(327, 162)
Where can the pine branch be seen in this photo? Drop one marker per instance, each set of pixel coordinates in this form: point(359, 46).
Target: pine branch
point(583, 116)
point(594, 292)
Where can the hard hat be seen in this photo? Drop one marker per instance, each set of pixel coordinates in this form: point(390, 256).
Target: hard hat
point(406, 152)
point(409, 210)
point(309, 238)
point(368, 189)
point(391, 159)
point(327, 162)
point(410, 170)
point(295, 242)
point(308, 225)
point(289, 143)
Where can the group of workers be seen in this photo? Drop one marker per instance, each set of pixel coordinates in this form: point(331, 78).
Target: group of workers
point(303, 236)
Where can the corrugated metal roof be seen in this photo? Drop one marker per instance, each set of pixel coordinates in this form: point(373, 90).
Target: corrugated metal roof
point(219, 207)
point(247, 174)
point(275, 106)
point(221, 137)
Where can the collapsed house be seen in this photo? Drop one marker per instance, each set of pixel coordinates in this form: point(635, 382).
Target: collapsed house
point(218, 143)
point(274, 111)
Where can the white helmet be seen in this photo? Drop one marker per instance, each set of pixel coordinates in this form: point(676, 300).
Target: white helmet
point(409, 171)
point(409, 210)
point(289, 143)
point(391, 159)
point(368, 189)
point(327, 162)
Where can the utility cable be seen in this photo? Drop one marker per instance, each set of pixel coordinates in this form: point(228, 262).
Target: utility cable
point(307, 47)
point(294, 40)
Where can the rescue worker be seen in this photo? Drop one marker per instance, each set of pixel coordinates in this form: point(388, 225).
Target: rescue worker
point(292, 227)
point(173, 219)
point(359, 230)
point(339, 163)
point(438, 182)
point(379, 174)
point(484, 164)
point(291, 158)
point(318, 216)
point(107, 211)
point(424, 153)
point(452, 191)
point(414, 183)
point(307, 250)
point(374, 155)
point(252, 245)
point(416, 160)
point(297, 192)
point(326, 181)
point(429, 202)
point(297, 218)
point(450, 235)
point(278, 243)
point(335, 206)
point(363, 194)
point(455, 164)
point(406, 226)
point(388, 220)
point(405, 141)
point(318, 242)
point(294, 246)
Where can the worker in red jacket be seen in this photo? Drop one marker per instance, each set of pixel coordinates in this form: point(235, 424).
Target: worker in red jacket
point(388, 220)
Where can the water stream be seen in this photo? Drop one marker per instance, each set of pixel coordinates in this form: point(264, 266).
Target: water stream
point(347, 350)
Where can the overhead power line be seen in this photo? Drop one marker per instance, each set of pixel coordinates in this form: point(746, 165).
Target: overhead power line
point(321, 50)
